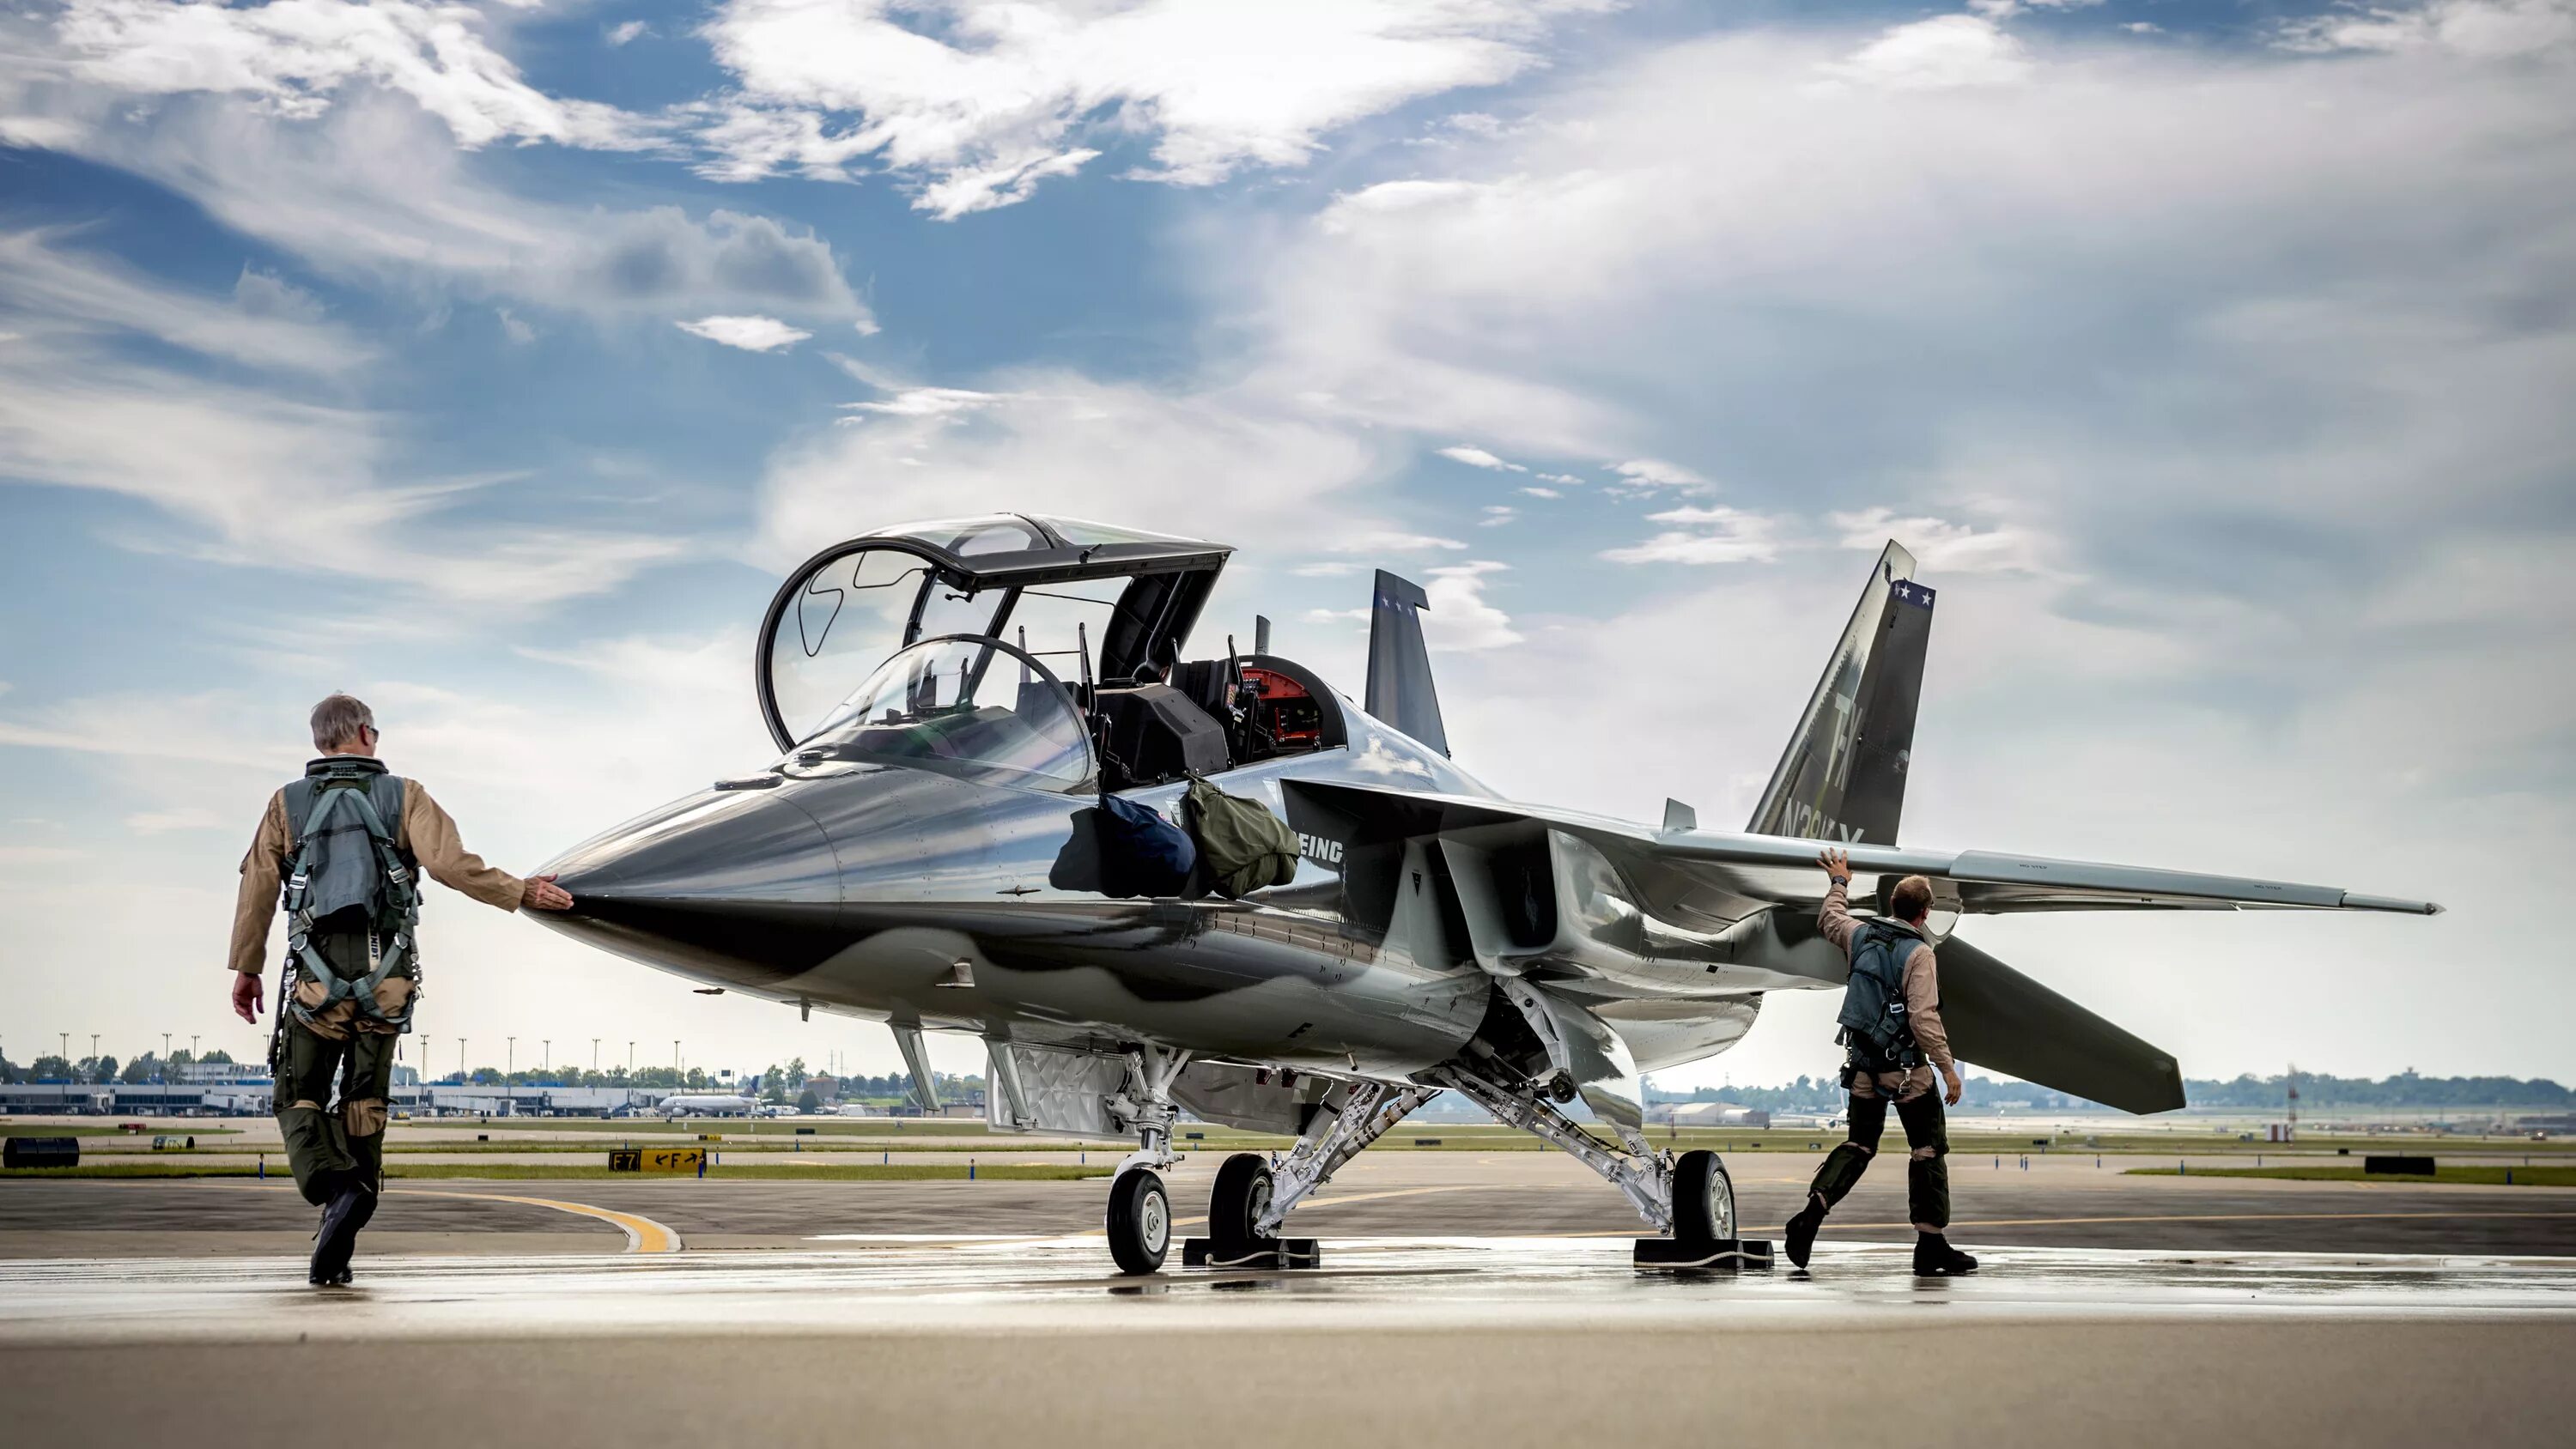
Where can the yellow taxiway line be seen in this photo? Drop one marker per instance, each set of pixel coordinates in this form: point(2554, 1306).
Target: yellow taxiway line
point(643, 1235)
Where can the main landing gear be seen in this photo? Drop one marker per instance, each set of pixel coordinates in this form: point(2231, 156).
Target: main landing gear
point(1253, 1195)
point(1689, 1200)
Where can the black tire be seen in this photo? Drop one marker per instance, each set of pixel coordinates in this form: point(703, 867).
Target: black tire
point(1140, 1220)
point(1241, 1196)
point(1703, 1199)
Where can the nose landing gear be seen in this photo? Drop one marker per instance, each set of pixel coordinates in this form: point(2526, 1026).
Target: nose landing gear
point(1140, 1220)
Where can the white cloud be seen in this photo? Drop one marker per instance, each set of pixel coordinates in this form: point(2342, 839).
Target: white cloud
point(1475, 457)
point(1058, 442)
point(1460, 617)
point(375, 191)
point(274, 480)
point(157, 822)
point(1941, 546)
point(928, 402)
point(2477, 28)
point(1704, 536)
point(1656, 473)
point(976, 102)
point(626, 32)
point(514, 327)
point(1542, 493)
point(266, 322)
point(1497, 514)
point(1941, 53)
point(1389, 540)
point(293, 56)
point(751, 334)
point(1333, 570)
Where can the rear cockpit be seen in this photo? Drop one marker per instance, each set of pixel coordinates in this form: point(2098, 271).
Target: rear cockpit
point(1042, 649)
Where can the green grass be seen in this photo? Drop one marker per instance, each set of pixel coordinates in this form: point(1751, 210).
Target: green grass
point(597, 1172)
point(14, 1130)
point(2551, 1175)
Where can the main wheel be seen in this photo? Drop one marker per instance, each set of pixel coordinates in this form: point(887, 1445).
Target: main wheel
point(1703, 1199)
point(1140, 1220)
point(1241, 1196)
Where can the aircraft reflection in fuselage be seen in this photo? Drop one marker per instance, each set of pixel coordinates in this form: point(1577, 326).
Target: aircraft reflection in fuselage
point(954, 702)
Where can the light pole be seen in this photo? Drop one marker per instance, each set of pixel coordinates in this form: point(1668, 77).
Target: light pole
point(510, 1061)
point(93, 1046)
point(165, 1046)
point(67, 1044)
point(675, 1061)
point(546, 1063)
point(594, 1054)
point(192, 1046)
point(460, 1059)
point(630, 1058)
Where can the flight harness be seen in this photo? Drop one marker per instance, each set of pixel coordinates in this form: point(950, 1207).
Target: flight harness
point(1874, 1026)
point(340, 796)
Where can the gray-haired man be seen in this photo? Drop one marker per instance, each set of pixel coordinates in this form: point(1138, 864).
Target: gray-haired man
point(356, 838)
point(1894, 1048)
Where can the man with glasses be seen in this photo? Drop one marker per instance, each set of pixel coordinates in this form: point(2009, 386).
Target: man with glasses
point(355, 969)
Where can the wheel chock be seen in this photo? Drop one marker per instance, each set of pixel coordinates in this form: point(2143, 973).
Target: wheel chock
point(1275, 1253)
point(1716, 1255)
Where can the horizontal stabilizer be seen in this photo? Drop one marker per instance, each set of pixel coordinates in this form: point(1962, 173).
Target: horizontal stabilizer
point(2003, 1021)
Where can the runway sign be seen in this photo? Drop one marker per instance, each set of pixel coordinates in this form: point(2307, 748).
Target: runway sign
point(655, 1159)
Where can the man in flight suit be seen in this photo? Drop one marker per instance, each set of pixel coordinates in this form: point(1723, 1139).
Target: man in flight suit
point(1903, 1077)
point(337, 1162)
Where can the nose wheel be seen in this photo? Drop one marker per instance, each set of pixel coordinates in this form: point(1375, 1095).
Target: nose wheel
point(1140, 1220)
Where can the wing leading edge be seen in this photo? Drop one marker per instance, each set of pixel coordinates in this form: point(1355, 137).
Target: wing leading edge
point(1708, 880)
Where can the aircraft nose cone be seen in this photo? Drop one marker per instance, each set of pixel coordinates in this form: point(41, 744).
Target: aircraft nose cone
point(739, 884)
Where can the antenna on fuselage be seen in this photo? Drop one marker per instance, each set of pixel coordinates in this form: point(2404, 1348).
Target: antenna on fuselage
point(1260, 635)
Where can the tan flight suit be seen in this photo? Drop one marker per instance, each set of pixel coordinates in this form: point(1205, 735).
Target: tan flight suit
point(340, 1042)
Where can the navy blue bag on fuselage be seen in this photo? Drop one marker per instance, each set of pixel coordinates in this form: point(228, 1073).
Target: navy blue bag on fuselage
point(1141, 853)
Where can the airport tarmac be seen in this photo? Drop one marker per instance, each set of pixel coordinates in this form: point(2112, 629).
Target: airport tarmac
point(2055, 1201)
point(1464, 1297)
point(1413, 1341)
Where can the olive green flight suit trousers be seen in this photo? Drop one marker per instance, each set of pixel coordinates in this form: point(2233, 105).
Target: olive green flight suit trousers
point(331, 1149)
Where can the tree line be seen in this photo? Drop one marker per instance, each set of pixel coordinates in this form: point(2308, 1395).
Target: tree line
point(2316, 1089)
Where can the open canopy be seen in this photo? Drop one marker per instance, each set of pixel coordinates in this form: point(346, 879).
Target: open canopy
point(1123, 598)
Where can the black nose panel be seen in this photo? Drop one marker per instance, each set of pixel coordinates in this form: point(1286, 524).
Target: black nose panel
point(739, 885)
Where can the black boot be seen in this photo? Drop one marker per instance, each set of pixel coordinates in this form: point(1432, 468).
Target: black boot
point(1802, 1230)
point(337, 1240)
point(1935, 1258)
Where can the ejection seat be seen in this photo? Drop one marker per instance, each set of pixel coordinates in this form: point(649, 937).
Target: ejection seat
point(1151, 733)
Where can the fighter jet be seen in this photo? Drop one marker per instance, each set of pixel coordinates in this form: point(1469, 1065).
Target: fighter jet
point(958, 704)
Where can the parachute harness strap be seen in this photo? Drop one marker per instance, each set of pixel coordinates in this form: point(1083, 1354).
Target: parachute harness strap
point(401, 912)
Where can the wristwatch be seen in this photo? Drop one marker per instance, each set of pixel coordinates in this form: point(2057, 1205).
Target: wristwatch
point(1840, 880)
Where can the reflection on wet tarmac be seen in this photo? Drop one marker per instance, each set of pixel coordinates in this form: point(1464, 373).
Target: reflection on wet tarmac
point(1001, 1285)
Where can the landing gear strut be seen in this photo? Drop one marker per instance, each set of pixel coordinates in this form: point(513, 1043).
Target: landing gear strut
point(1688, 1200)
point(1139, 1220)
point(1252, 1197)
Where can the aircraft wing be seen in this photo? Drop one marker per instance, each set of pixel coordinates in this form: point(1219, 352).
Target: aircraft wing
point(1708, 880)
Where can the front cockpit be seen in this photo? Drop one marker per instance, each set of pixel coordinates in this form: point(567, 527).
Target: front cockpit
point(1041, 651)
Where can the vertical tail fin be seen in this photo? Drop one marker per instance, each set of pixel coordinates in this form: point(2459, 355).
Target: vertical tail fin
point(1843, 776)
point(1399, 667)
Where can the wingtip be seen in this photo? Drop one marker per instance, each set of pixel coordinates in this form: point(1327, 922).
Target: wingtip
point(2353, 902)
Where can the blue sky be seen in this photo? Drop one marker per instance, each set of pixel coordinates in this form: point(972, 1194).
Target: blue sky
point(493, 360)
